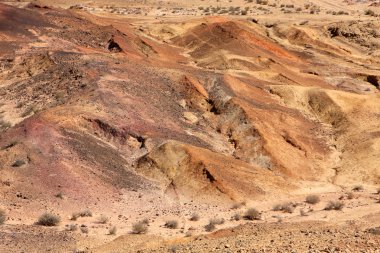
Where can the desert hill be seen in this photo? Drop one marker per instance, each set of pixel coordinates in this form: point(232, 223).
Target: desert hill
point(131, 116)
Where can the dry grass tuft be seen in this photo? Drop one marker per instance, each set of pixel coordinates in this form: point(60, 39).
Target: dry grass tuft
point(335, 205)
point(172, 224)
point(140, 227)
point(84, 213)
point(103, 219)
point(236, 217)
point(3, 216)
point(195, 217)
point(49, 220)
point(252, 214)
point(210, 227)
point(84, 229)
point(312, 199)
point(350, 195)
point(285, 207)
point(71, 227)
point(358, 188)
point(112, 230)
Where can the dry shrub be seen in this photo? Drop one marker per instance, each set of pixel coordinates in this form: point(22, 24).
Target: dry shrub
point(84, 213)
point(358, 188)
point(217, 221)
point(18, 163)
point(195, 217)
point(374, 231)
point(210, 227)
point(71, 227)
point(59, 195)
point(103, 219)
point(236, 217)
point(303, 212)
point(252, 214)
point(140, 227)
point(49, 220)
point(238, 205)
point(285, 207)
point(84, 229)
point(3, 216)
point(112, 230)
point(312, 199)
point(350, 195)
point(172, 224)
point(335, 205)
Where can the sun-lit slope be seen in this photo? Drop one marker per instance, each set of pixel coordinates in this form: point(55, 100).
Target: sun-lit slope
point(157, 118)
point(120, 108)
point(214, 110)
point(354, 120)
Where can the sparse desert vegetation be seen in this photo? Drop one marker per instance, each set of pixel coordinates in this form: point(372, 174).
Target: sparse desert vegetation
point(84, 229)
point(210, 227)
point(72, 227)
point(112, 230)
point(287, 207)
point(3, 217)
point(48, 219)
point(195, 217)
point(252, 214)
point(84, 213)
point(237, 217)
point(172, 224)
point(103, 219)
point(350, 195)
point(312, 199)
point(334, 205)
point(18, 163)
point(140, 227)
point(358, 188)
